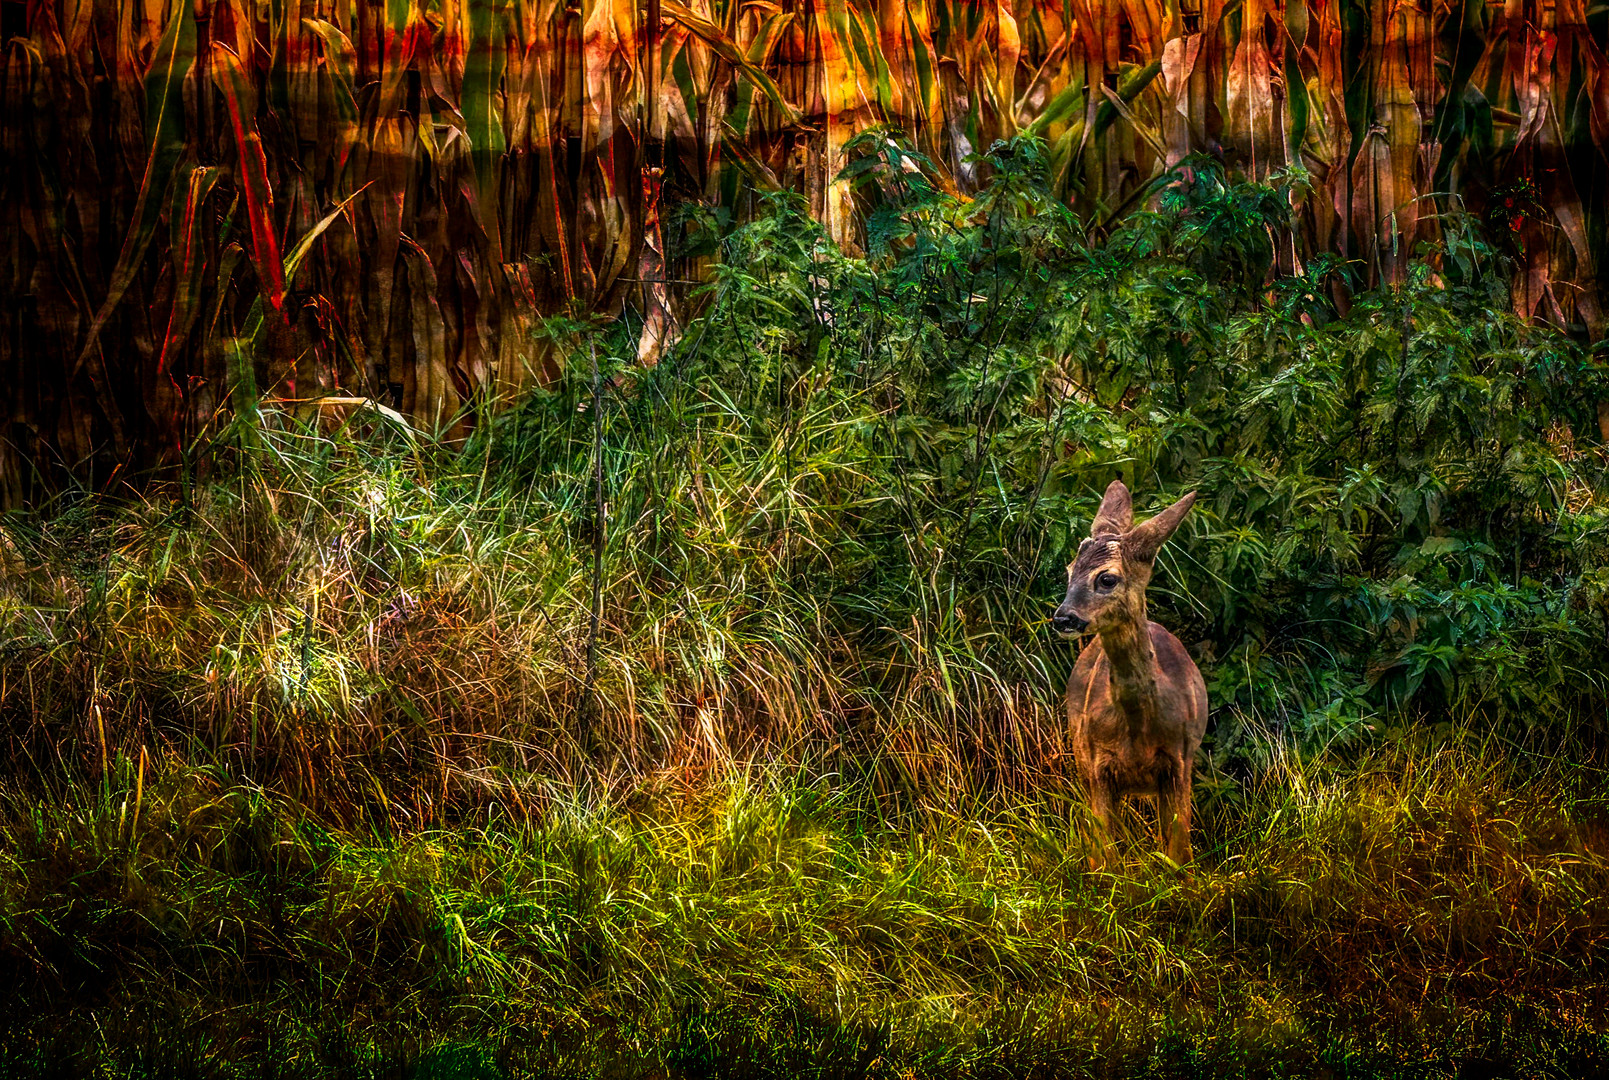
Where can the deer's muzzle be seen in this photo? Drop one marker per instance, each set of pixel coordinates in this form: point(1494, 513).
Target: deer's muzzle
point(1067, 622)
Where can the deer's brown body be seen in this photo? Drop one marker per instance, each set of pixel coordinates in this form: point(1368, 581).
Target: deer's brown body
point(1136, 702)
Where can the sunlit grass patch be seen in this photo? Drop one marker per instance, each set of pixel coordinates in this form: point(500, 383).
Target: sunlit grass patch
point(1414, 895)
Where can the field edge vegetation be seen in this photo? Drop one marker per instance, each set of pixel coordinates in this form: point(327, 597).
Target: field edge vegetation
point(734, 671)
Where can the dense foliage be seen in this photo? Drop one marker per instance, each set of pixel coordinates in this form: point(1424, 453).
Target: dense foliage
point(705, 715)
point(837, 517)
point(1402, 510)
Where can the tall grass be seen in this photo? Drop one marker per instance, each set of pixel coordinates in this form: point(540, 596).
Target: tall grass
point(1386, 910)
point(835, 519)
point(348, 616)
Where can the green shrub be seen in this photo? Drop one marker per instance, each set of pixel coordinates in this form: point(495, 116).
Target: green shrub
point(1402, 514)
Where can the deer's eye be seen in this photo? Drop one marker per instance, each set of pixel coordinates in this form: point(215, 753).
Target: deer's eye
point(1106, 581)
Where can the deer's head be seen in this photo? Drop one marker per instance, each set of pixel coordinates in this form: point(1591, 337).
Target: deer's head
point(1108, 576)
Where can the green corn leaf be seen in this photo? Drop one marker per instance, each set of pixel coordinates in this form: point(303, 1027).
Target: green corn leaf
point(483, 75)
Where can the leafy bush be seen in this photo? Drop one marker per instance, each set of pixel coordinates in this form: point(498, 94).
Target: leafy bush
point(1402, 512)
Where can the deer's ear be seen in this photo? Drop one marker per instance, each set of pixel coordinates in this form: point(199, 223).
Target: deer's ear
point(1146, 539)
point(1116, 513)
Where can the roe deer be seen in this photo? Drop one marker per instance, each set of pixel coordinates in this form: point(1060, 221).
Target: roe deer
point(1136, 703)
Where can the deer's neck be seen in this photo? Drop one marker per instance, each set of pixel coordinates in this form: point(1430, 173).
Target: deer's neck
point(1127, 643)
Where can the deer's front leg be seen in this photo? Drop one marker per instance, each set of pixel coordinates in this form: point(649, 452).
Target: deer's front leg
point(1173, 815)
point(1102, 800)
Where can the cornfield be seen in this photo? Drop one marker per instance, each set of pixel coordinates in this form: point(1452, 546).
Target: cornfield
point(207, 203)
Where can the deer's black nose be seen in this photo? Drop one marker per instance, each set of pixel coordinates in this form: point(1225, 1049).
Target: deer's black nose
point(1067, 622)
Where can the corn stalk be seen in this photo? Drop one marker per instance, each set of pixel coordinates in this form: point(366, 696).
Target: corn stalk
point(497, 160)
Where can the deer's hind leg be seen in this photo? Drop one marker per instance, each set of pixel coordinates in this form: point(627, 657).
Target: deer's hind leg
point(1173, 813)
